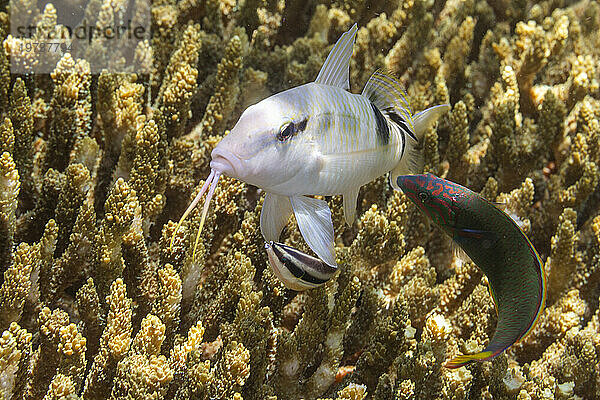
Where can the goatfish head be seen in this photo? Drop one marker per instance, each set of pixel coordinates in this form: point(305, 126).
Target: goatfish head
point(270, 145)
point(258, 150)
point(273, 146)
point(433, 196)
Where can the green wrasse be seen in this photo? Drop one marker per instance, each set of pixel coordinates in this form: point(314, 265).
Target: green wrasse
point(497, 245)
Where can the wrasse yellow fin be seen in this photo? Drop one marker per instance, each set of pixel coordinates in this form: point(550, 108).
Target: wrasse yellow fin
point(466, 359)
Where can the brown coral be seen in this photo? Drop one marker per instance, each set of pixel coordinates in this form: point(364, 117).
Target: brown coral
point(95, 169)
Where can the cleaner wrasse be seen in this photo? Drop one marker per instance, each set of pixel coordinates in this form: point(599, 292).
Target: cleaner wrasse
point(496, 244)
point(297, 270)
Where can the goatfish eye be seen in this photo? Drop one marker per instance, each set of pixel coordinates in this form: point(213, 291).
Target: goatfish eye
point(286, 131)
point(297, 270)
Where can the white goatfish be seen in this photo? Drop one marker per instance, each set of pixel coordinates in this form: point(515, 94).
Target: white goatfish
point(319, 139)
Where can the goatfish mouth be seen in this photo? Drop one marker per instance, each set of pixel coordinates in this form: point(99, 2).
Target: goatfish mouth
point(210, 184)
point(226, 163)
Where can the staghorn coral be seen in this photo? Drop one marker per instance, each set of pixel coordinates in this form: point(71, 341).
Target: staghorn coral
point(15, 354)
point(10, 184)
point(16, 286)
point(226, 91)
point(61, 387)
point(144, 373)
point(95, 169)
point(114, 343)
point(21, 117)
point(122, 208)
point(179, 82)
point(70, 109)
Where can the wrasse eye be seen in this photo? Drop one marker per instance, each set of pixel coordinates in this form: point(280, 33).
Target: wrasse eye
point(423, 196)
point(286, 131)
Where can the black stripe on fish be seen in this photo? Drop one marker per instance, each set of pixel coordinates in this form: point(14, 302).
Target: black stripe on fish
point(296, 270)
point(399, 120)
point(383, 130)
point(312, 263)
point(301, 126)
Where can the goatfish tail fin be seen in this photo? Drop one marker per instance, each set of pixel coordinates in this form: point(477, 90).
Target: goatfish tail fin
point(465, 359)
point(413, 162)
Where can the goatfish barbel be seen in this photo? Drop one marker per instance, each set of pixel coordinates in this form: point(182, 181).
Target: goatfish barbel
point(497, 245)
point(319, 139)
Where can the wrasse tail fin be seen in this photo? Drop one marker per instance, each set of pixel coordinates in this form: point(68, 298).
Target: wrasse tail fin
point(336, 68)
point(462, 360)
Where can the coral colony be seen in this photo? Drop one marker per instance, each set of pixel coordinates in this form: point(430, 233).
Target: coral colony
point(95, 170)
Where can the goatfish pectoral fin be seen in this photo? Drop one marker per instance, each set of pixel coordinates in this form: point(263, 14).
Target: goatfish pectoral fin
point(350, 199)
point(275, 214)
point(465, 359)
point(314, 220)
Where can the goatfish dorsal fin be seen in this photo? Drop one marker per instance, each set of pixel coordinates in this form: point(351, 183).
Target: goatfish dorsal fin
point(336, 69)
point(389, 97)
point(413, 164)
